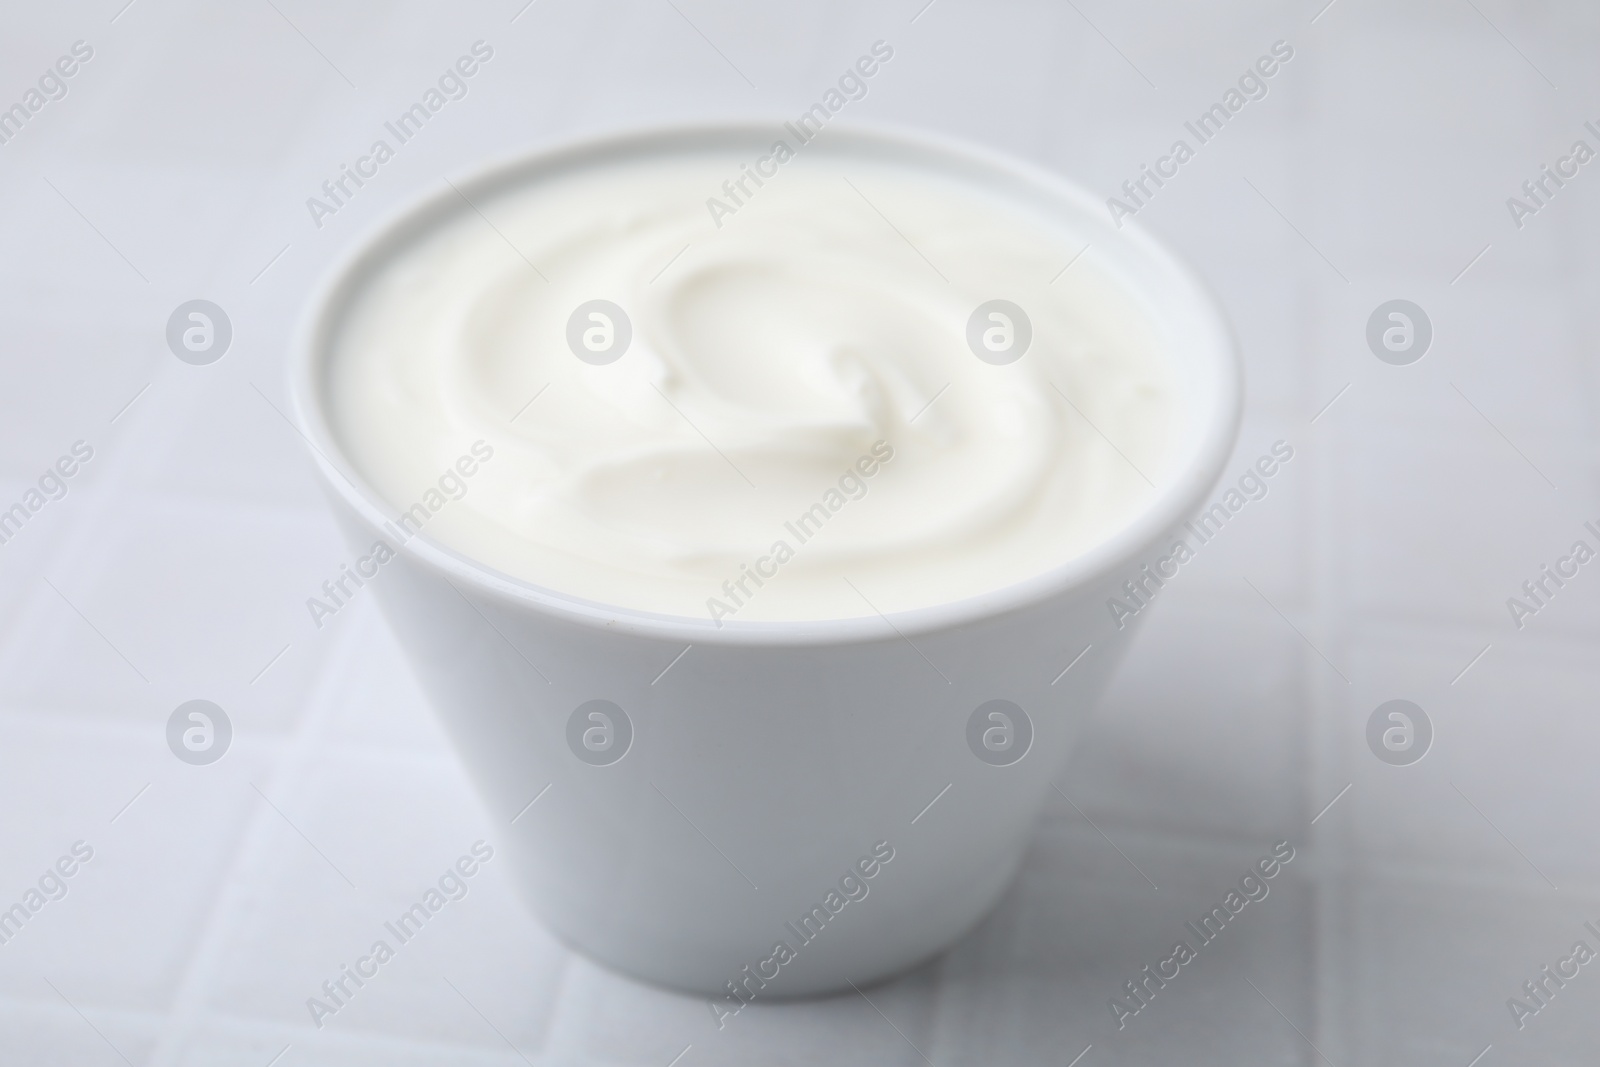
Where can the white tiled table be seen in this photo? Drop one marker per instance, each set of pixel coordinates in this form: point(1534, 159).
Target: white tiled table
point(178, 564)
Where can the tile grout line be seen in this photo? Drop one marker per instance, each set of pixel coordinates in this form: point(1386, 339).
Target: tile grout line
point(261, 826)
point(1323, 760)
point(77, 546)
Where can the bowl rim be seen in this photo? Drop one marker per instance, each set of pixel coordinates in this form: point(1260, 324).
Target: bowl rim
point(1182, 494)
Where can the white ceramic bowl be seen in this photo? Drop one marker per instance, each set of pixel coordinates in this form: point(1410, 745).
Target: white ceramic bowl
point(773, 756)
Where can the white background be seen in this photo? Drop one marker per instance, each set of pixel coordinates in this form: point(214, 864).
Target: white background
point(178, 565)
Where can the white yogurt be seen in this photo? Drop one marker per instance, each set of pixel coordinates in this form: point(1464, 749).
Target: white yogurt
point(798, 428)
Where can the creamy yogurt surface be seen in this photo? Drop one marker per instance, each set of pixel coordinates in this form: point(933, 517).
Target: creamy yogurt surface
point(798, 427)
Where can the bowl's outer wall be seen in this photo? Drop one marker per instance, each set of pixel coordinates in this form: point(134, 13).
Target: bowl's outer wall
point(756, 777)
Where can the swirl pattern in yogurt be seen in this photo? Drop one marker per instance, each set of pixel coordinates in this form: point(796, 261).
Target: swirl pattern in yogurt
point(821, 331)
